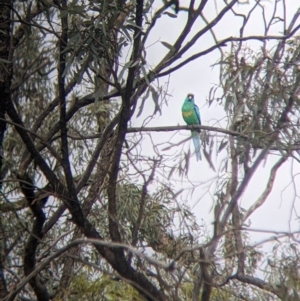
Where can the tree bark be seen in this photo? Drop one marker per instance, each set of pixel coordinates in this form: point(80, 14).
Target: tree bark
point(5, 80)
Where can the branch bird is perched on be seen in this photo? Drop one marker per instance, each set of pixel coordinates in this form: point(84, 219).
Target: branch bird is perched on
point(191, 115)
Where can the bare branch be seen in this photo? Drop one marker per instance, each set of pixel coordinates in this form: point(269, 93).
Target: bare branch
point(259, 202)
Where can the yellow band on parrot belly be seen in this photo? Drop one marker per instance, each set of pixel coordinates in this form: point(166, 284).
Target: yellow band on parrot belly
point(187, 114)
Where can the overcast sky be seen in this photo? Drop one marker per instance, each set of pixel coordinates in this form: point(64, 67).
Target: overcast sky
point(199, 77)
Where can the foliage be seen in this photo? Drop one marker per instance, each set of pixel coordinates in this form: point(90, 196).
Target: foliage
point(94, 209)
point(103, 289)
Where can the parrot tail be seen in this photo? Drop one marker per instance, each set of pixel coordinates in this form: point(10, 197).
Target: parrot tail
point(196, 141)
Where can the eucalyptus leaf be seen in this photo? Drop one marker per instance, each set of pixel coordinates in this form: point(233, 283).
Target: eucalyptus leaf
point(169, 46)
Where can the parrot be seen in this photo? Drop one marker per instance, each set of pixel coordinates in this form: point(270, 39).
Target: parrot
point(191, 115)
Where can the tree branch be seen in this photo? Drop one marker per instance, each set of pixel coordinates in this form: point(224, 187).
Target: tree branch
point(222, 43)
point(94, 242)
point(176, 53)
point(268, 189)
point(34, 239)
point(279, 291)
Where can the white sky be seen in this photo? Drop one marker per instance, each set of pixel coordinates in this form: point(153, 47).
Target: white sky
point(199, 77)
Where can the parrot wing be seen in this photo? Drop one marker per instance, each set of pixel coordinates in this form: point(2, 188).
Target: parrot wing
point(197, 113)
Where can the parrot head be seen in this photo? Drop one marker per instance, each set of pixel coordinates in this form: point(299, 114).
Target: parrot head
point(190, 97)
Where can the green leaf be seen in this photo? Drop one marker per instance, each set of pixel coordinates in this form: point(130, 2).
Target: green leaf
point(222, 145)
point(126, 66)
point(68, 64)
point(145, 75)
point(134, 25)
point(169, 46)
point(143, 102)
point(126, 33)
point(155, 97)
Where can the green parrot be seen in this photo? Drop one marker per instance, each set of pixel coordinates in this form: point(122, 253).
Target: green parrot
point(191, 115)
